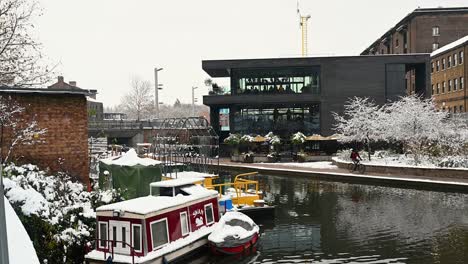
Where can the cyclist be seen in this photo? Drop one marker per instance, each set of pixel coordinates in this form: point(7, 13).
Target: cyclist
point(355, 158)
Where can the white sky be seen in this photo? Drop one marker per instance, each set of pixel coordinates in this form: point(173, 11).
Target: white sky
point(101, 44)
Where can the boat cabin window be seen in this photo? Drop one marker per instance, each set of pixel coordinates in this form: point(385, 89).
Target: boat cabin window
point(169, 191)
point(136, 237)
point(184, 223)
point(103, 234)
point(209, 217)
point(159, 233)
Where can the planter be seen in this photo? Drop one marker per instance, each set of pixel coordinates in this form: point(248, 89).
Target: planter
point(236, 158)
point(248, 158)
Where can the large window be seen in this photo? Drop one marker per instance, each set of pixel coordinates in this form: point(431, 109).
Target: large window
point(209, 216)
point(282, 120)
point(461, 57)
point(136, 237)
point(435, 31)
point(455, 84)
point(103, 234)
point(159, 233)
point(184, 223)
point(274, 81)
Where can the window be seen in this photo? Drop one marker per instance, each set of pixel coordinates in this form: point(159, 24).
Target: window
point(397, 43)
point(454, 109)
point(124, 237)
point(184, 223)
point(455, 84)
point(449, 85)
point(443, 87)
point(449, 61)
point(435, 31)
point(455, 59)
point(209, 217)
point(224, 119)
point(114, 236)
point(159, 233)
point(435, 46)
point(103, 234)
point(461, 109)
point(432, 67)
point(462, 84)
point(433, 89)
point(437, 65)
point(136, 237)
point(461, 57)
point(438, 88)
point(443, 64)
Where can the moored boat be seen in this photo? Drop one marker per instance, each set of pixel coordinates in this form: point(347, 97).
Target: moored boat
point(156, 229)
point(235, 233)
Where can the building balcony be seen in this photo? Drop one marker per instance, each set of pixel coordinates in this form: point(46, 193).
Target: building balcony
point(259, 99)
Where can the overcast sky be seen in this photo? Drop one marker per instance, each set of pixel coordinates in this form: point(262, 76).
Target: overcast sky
point(101, 44)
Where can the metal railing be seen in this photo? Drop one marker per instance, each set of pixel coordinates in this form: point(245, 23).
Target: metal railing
point(112, 244)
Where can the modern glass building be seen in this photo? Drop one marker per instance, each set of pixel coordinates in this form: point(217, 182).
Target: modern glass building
point(299, 94)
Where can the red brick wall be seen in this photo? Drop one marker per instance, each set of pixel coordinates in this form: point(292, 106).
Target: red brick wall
point(66, 120)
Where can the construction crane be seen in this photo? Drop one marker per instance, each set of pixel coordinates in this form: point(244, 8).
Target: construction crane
point(303, 25)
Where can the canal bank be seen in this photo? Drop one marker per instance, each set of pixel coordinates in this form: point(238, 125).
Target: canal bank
point(342, 175)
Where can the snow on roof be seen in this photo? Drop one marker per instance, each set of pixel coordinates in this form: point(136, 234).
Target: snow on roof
point(176, 182)
point(20, 247)
point(190, 174)
point(92, 100)
point(197, 189)
point(130, 158)
point(450, 46)
point(149, 204)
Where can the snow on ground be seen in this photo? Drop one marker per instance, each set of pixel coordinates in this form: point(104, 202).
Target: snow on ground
point(312, 165)
point(20, 247)
point(130, 158)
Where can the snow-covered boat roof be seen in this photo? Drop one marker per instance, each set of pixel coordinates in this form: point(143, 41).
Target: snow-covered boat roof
point(190, 174)
point(149, 204)
point(176, 182)
point(130, 158)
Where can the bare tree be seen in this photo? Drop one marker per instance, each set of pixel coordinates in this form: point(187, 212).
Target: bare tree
point(20, 55)
point(137, 103)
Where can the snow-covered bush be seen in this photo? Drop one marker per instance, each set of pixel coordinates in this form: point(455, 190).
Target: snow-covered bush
point(298, 138)
point(273, 139)
point(57, 212)
point(246, 139)
point(232, 140)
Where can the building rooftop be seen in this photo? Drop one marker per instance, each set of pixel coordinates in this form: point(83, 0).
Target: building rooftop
point(417, 12)
point(450, 46)
point(78, 91)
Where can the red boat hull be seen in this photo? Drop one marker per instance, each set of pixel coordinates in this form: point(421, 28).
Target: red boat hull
point(237, 249)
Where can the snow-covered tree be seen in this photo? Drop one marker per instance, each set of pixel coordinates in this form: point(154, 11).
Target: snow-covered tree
point(20, 54)
point(138, 102)
point(361, 122)
point(15, 129)
point(415, 122)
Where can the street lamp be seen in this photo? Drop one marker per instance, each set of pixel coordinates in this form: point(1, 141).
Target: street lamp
point(193, 100)
point(157, 87)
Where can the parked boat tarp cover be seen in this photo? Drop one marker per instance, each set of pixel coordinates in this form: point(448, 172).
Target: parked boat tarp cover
point(130, 173)
point(233, 229)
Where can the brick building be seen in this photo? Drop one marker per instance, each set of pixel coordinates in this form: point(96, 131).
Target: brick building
point(448, 76)
point(422, 31)
point(63, 112)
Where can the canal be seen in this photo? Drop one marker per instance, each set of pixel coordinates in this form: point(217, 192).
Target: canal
point(333, 222)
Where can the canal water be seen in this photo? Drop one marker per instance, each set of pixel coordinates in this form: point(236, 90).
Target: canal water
point(333, 222)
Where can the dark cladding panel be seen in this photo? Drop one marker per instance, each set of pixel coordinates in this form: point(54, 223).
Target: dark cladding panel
point(395, 82)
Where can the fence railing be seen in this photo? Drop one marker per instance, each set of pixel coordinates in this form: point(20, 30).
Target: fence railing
point(111, 244)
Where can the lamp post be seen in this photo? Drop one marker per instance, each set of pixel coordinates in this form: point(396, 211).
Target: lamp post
point(157, 87)
point(193, 100)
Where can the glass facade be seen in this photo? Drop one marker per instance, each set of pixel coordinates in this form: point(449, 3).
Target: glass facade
point(281, 120)
point(276, 81)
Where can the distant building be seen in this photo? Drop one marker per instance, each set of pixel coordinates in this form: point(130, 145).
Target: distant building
point(95, 108)
point(422, 31)
point(287, 95)
point(448, 76)
point(63, 112)
point(115, 116)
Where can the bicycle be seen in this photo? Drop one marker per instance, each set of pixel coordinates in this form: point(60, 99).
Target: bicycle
point(361, 168)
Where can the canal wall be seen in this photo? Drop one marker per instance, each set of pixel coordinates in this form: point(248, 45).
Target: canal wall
point(449, 173)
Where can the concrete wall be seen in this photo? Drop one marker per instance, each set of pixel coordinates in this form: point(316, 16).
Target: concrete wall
point(66, 119)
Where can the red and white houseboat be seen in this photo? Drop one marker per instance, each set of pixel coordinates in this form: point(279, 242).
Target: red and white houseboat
point(171, 222)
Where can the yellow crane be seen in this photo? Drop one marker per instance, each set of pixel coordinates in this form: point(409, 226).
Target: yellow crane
point(303, 24)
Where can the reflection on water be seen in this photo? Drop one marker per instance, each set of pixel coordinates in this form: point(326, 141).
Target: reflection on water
point(331, 222)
